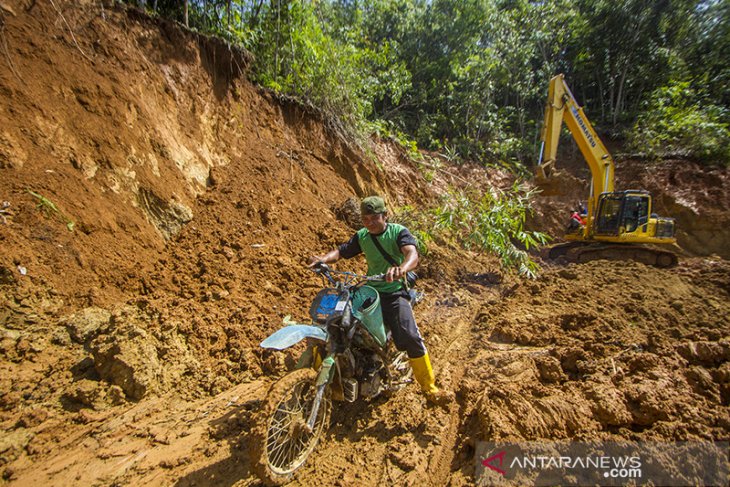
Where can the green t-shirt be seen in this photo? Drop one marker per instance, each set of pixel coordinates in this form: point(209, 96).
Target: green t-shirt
point(392, 239)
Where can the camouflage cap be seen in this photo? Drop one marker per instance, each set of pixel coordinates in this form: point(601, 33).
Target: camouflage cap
point(372, 205)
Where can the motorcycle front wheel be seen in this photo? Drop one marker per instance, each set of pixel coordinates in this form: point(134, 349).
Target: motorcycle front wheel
point(282, 441)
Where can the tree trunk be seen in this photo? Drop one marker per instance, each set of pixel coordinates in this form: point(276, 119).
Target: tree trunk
point(611, 85)
point(600, 95)
point(619, 95)
point(186, 14)
point(278, 34)
point(254, 18)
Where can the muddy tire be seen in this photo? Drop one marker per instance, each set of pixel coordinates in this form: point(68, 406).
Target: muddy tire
point(281, 442)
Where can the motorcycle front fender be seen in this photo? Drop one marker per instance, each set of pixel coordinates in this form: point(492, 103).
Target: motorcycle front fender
point(291, 335)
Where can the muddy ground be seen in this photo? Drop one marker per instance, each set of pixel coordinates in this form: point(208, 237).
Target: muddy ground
point(160, 211)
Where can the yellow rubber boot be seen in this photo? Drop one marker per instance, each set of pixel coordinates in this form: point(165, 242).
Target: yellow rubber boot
point(424, 374)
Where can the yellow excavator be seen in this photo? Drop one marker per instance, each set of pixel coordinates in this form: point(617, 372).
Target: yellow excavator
point(616, 225)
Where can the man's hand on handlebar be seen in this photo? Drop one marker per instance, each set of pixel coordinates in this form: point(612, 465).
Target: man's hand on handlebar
point(315, 262)
point(394, 274)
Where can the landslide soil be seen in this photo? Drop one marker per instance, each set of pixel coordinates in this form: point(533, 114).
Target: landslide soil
point(128, 345)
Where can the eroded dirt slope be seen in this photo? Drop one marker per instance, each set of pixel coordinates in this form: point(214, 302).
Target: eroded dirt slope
point(128, 345)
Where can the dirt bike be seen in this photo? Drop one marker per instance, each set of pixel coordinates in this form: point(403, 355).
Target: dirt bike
point(350, 356)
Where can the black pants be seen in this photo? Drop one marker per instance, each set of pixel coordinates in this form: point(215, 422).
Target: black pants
point(398, 317)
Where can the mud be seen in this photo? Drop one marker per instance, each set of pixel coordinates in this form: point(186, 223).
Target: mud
point(128, 345)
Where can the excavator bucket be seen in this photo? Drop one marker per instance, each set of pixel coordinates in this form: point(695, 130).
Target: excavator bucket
point(552, 182)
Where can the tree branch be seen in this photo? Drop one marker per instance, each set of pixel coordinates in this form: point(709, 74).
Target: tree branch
point(72, 32)
point(5, 47)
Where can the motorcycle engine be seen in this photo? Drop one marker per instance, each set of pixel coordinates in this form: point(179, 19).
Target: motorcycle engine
point(371, 383)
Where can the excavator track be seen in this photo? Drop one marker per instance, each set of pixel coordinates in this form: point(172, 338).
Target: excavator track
point(581, 252)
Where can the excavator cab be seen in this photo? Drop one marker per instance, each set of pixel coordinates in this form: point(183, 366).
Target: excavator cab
point(627, 215)
point(622, 212)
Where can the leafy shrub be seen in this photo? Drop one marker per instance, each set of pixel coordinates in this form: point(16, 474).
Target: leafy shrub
point(676, 120)
point(493, 221)
point(414, 221)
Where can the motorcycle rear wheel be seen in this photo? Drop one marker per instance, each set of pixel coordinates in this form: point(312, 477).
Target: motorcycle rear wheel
point(282, 442)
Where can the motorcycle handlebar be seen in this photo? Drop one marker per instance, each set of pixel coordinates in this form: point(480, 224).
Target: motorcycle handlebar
point(322, 268)
point(376, 277)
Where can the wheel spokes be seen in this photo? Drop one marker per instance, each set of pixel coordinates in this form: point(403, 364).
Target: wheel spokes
point(288, 441)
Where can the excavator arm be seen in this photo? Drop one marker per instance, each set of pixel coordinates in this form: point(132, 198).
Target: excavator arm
point(561, 106)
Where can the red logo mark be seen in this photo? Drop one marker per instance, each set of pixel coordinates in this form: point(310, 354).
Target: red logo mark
point(499, 456)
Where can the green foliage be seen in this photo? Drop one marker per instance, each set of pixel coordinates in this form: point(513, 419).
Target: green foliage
point(494, 222)
point(50, 209)
point(676, 120)
point(703, 51)
point(429, 166)
point(295, 56)
point(451, 154)
point(619, 52)
point(415, 222)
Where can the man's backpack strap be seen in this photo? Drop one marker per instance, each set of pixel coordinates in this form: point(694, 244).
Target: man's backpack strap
point(387, 256)
point(411, 276)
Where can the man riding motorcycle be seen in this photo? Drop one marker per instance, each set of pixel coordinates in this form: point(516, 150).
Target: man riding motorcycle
point(390, 249)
